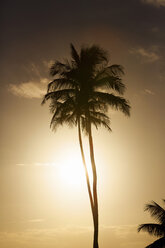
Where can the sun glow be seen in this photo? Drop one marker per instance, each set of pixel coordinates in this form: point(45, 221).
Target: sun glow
point(71, 170)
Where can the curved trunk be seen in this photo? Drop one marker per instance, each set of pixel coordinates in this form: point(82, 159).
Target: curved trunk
point(96, 220)
point(85, 167)
point(93, 200)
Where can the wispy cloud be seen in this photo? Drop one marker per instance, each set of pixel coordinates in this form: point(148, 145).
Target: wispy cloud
point(31, 89)
point(53, 237)
point(147, 55)
point(156, 3)
point(148, 92)
point(75, 236)
point(20, 164)
point(36, 220)
point(37, 164)
point(47, 63)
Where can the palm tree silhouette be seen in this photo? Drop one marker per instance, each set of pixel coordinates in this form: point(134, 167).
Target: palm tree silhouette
point(80, 95)
point(158, 230)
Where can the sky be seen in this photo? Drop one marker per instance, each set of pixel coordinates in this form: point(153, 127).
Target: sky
point(43, 203)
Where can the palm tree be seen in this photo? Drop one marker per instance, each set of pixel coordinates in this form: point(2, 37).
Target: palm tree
point(158, 230)
point(80, 94)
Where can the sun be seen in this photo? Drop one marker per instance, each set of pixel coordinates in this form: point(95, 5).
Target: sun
point(71, 170)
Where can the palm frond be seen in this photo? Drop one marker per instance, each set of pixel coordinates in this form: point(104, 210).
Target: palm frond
point(97, 119)
point(93, 56)
point(60, 83)
point(59, 68)
point(54, 106)
point(63, 117)
point(59, 94)
point(99, 122)
point(110, 82)
point(71, 119)
point(75, 55)
point(96, 105)
point(156, 211)
point(116, 70)
point(117, 102)
point(110, 70)
point(56, 122)
point(59, 107)
point(153, 229)
point(99, 115)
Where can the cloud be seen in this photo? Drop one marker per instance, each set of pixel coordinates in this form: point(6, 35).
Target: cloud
point(48, 64)
point(75, 236)
point(40, 238)
point(36, 220)
point(20, 164)
point(148, 56)
point(31, 89)
point(156, 3)
point(38, 164)
point(149, 92)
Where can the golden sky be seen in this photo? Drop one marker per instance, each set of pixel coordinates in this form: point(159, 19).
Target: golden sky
point(43, 203)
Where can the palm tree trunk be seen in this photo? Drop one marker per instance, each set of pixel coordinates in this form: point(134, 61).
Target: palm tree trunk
point(96, 220)
point(85, 167)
